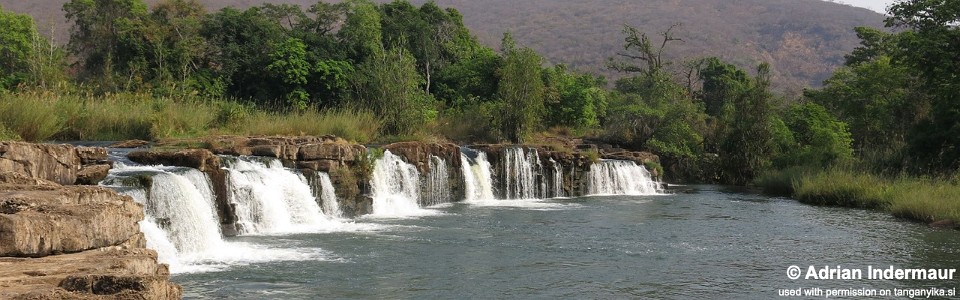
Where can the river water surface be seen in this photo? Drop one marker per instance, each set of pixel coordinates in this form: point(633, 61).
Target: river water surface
point(707, 243)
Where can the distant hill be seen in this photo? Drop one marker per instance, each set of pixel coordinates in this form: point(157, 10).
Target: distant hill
point(804, 40)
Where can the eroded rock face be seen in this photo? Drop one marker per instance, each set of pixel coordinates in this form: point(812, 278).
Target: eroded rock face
point(63, 164)
point(92, 174)
point(57, 163)
point(41, 220)
point(44, 219)
point(105, 273)
point(200, 159)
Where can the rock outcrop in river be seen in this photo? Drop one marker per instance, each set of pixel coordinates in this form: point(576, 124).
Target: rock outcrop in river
point(64, 241)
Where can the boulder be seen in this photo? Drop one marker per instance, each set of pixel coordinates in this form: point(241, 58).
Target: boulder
point(200, 159)
point(328, 151)
point(45, 219)
point(92, 174)
point(105, 273)
point(11, 179)
point(57, 163)
point(92, 155)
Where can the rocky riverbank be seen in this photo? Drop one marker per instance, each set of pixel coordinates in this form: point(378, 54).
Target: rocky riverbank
point(60, 240)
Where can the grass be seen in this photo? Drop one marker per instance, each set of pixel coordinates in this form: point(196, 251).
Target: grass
point(43, 116)
point(840, 187)
point(358, 126)
point(919, 199)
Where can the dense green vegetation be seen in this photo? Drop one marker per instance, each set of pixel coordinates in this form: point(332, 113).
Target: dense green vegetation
point(384, 72)
point(802, 40)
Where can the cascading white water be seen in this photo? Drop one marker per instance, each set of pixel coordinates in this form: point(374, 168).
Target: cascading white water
point(557, 179)
point(477, 178)
point(437, 184)
point(193, 226)
point(521, 170)
point(617, 177)
point(180, 220)
point(270, 198)
point(396, 187)
point(328, 196)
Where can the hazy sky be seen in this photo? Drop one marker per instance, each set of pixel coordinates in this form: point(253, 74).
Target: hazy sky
point(876, 5)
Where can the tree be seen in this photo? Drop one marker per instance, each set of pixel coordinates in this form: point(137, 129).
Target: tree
point(577, 100)
point(361, 33)
point(16, 47)
point(521, 90)
point(639, 47)
point(651, 111)
point(290, 64)
point(749, 147)
point(721, 82)
point(107, 38)
point(929, 48)
point(388, 83)
point(242, 42)
point(819, 139)
point(878, 99)
point(173, 30)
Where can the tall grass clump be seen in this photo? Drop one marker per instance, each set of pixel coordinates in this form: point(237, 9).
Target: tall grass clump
point(30, 116)
point(109, 117)
point(841, 187)
point(182, 117)
point(925, 200)
point(354, 125)
point(780, 182)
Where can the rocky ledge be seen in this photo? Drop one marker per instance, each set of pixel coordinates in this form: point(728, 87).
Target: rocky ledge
point(68, 241)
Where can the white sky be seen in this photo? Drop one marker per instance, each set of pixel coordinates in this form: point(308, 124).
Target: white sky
point(876, 5)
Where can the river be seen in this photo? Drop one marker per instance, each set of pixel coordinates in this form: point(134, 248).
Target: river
point(707, 242)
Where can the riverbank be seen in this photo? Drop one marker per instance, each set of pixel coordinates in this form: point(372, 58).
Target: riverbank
point(43, 116)
point(63, 239)
point(932, 201)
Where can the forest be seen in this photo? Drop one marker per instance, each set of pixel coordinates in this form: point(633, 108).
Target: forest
point(883, 131)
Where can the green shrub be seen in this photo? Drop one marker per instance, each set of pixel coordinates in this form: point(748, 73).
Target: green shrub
point(654, 167)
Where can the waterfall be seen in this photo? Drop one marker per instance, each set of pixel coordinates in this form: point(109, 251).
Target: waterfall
point(180, 220)
point(328, 196)
point(477, 178)
point(437, 185)
point(521, 170)
point(396, 187)
point(617, 177)
point(270, 198)
point(557, 179)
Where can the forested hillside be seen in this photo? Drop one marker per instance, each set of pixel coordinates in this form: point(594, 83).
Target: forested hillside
point(803, 40)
